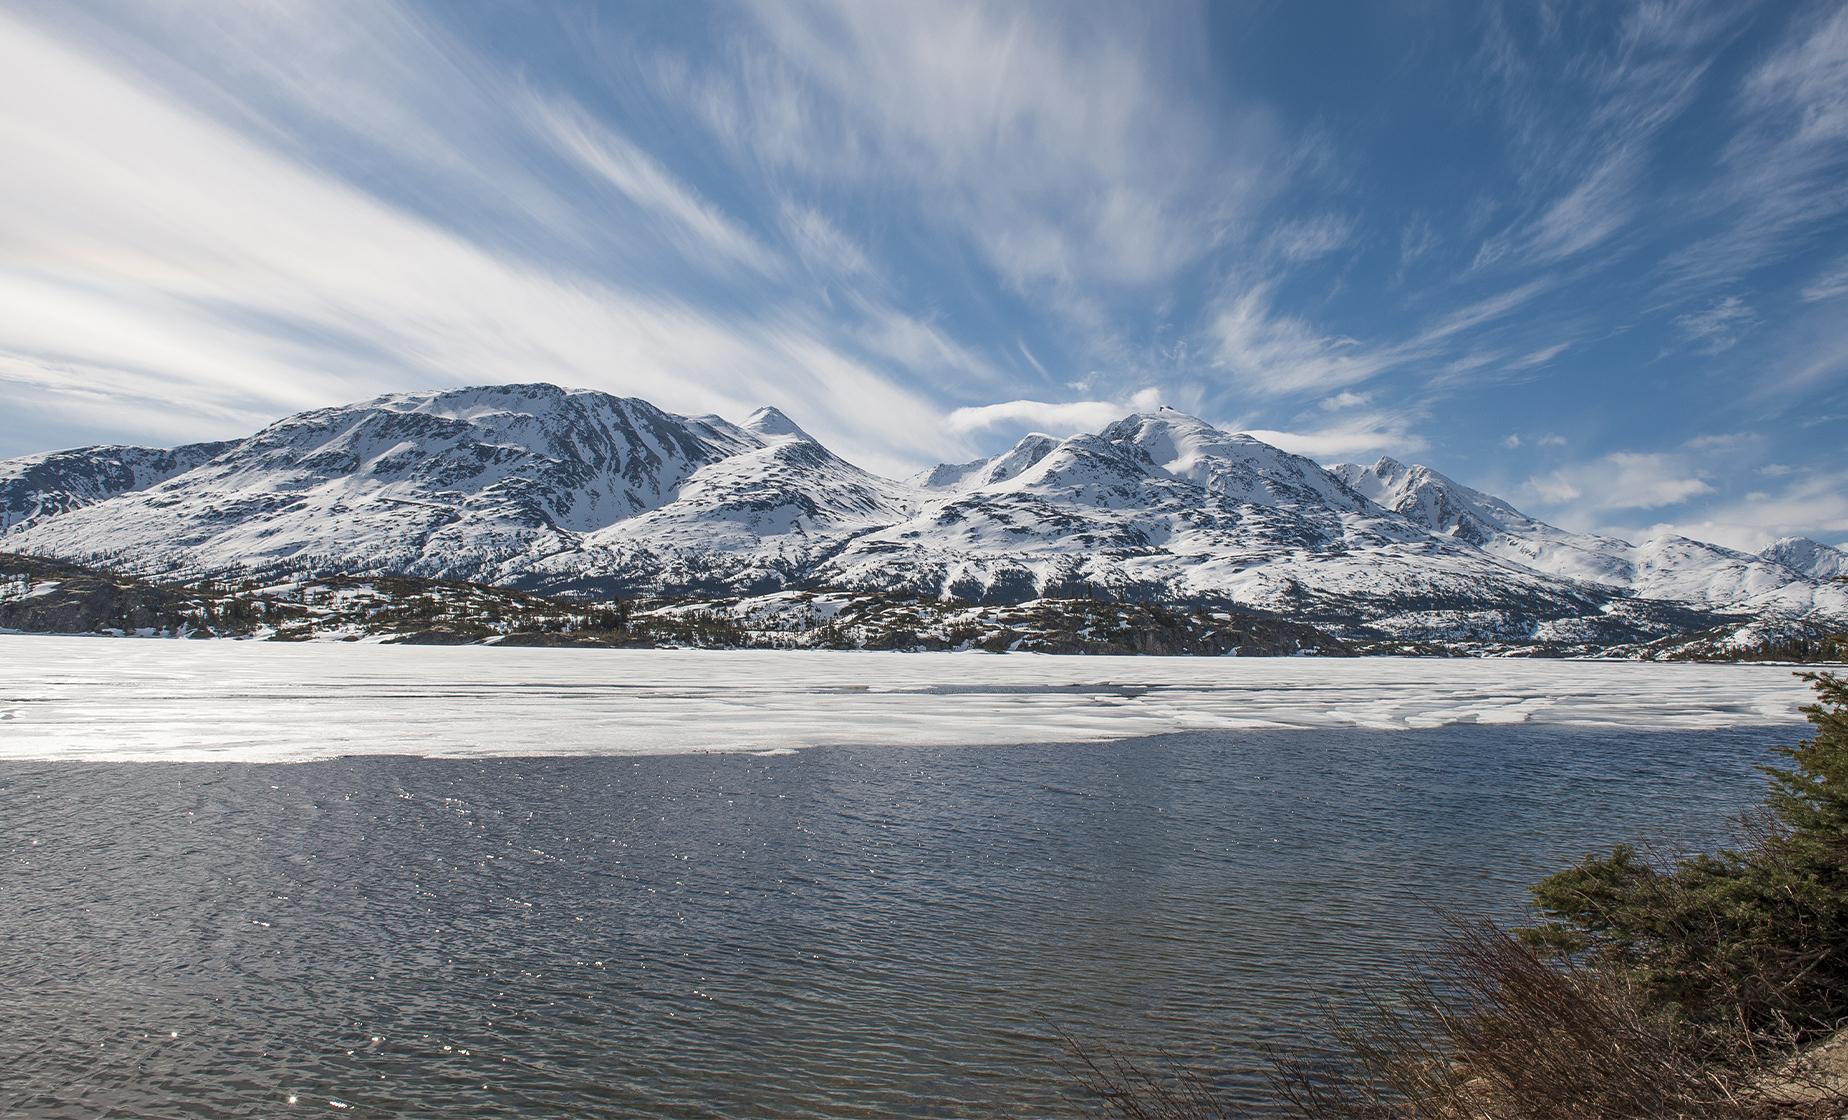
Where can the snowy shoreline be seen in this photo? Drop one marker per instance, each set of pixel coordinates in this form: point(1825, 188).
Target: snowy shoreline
point(79, 698)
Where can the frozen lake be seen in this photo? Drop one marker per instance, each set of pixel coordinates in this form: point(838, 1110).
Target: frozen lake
point(148, 700)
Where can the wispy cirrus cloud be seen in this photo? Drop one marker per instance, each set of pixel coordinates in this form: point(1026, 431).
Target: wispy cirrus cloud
point(702, 231)
point(1717, 326)
point(1830, 283)
point(820, 243)
point(1594, 209)
point(1268, 353)
point(1052, 146)
point(1784, 171)
point(1534, 359)
point(1307, 239)
point(1583, 169)
point(236, 280)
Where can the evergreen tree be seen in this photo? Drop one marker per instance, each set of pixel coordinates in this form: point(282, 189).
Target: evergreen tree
point(1756, 936)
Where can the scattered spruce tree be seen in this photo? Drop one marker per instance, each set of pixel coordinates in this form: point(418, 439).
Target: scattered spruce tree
point(1752, 939)
point(1648, 990)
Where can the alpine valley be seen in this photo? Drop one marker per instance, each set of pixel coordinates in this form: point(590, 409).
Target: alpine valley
point(1160, 524)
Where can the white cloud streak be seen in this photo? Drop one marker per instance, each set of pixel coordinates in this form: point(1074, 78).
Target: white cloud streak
point(1622, 480)
point(700, 228)
point(1830, 283)
point(1053, 418)
point(1051, 146)
point(1584, 127)
point(1354, 437)
point(1718, 326)
point(1600, 205)
point(1308, 239)
point(820, 243)
point(1273, 354)
point(1276, 354)
point(1813, 506)
point(1784, 173)
point(203, 269)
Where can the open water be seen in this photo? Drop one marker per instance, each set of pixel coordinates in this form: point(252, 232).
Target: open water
point(874, 931)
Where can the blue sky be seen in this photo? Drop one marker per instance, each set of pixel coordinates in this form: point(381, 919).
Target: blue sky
point(1590, 257)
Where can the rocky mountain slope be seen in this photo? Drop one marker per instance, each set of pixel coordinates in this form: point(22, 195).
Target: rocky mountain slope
point(477, 483)
point(580, 493)
point(1808, 557)
point(35, 487)
point(1791, 578)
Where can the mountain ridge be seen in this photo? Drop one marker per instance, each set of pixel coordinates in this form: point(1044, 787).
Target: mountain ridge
point(575, 491)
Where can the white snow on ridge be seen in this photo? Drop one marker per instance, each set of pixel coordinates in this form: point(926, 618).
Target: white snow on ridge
point(986, 472)
point(573, 491)
point(89, 698)
point(1808, 557)
point(1785, 577)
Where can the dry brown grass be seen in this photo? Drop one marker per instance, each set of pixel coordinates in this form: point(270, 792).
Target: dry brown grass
point(1495, 1031)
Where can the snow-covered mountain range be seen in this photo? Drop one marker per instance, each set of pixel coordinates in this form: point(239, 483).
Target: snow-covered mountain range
point(540, 488)
point(1667, 567)
point(35, 487)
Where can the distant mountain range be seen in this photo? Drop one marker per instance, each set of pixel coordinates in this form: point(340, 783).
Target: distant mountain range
point(546, 490)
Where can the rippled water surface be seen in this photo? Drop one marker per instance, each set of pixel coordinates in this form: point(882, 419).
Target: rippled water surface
point(834, 932)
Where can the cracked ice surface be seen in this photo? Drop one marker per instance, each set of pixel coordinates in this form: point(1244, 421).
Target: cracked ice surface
point(120, 699)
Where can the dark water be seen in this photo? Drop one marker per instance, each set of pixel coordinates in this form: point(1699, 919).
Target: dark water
point(836, 933)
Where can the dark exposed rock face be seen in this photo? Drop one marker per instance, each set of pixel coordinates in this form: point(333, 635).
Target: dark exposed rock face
point(70, 599)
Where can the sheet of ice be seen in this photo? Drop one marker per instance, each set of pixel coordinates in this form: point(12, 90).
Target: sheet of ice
point(118, 699)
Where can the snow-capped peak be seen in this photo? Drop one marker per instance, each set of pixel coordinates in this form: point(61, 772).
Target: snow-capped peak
point(1666, 567)
point(1807, 557)
point(770, 423)
point(1233, 465)
point(984, 472)
point(547, 488)
point(1435, 501)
